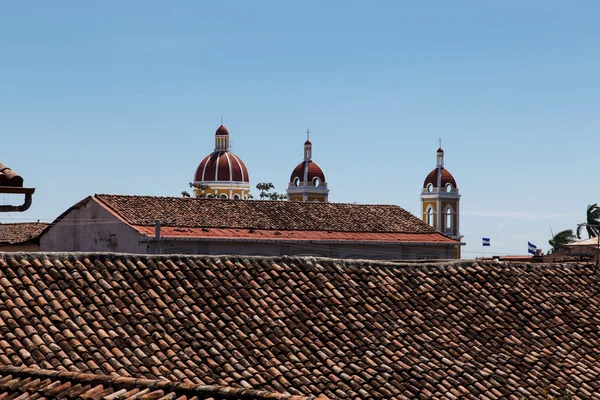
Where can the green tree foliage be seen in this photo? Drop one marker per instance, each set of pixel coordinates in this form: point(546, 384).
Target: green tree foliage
point(266, 192)
point(561, 239)
point(592, 223)
point(202, 189)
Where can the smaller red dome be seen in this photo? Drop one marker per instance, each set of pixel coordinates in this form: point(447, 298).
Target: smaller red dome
point(314, 171)
point(307, 142)
point(222, 131)
point(440, 150)
point(433, 178)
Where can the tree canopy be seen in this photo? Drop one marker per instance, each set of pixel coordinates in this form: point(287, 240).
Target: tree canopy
point(561, 239)
point(592, 222)
point(266, 192)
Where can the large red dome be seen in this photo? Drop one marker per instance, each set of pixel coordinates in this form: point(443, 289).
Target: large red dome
point(221, 166)
point(433, 178)
point(314, 171)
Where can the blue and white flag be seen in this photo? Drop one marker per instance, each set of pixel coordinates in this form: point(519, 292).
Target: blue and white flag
point(485, 241)
point(531, 248)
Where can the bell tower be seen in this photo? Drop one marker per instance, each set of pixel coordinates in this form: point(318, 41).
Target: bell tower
point(440, 200)
point(307, 182)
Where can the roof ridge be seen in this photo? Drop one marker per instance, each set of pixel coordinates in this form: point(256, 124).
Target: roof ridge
point(245, 200)
point(25, 223)
point(127, 382)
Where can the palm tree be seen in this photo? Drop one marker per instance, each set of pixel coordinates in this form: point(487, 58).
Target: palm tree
point(561, 239)
point(592, 223)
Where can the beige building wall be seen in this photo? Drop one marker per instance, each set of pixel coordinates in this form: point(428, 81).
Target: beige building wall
point(91, 228)
point(335, 250)
point(13, 248)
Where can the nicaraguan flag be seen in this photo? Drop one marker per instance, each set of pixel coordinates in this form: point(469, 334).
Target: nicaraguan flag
point(531, 248)
point(485, 241)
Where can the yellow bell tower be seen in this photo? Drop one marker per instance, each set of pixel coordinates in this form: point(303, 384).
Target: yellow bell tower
point(307, 182)
point(440, 201)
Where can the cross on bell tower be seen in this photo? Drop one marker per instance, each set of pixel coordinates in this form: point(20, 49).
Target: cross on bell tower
point(307, 147)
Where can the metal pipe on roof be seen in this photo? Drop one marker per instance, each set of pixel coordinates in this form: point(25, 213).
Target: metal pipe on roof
point(157, 235)
point(23, 207)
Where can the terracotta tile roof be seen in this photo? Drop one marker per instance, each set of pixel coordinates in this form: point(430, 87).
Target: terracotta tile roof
point(266, 215)
point(30, 383)
point(18, 233)
point(307, 326)
point(295, 236)
point(9, 178)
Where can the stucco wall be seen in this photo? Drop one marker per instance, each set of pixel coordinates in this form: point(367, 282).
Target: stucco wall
point(357, 251)
point(27, 247)
point(91, 228)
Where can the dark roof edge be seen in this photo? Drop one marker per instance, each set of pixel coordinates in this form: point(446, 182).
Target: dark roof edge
point(122, 382)
point(246, 200)
point(435, 263)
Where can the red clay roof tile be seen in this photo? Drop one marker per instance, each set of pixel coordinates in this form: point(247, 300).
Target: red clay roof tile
point(19, 233)
point(9, 178)
point(265, 215)
point(303, 326)
point(32, 383)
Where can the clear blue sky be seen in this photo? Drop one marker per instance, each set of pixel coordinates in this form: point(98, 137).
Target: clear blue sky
point(125, 96)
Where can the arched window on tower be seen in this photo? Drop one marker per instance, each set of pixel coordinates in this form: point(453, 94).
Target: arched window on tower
point(430, 215)
point(448, 219)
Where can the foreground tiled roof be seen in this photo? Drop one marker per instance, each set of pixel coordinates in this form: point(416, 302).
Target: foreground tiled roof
point(30, 383)
point(267, 215)
point(307, 326)
point(17, 233)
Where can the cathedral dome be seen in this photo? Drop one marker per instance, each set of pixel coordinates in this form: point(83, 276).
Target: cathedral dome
point(308, 169)
point(307, 182)
point(440, 177)
point(222, 174)
point(446, 178)
point(221, 166)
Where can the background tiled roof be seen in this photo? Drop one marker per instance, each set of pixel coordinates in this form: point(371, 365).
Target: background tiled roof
point(307, 326)
point(15, 233)
point(269, 215)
